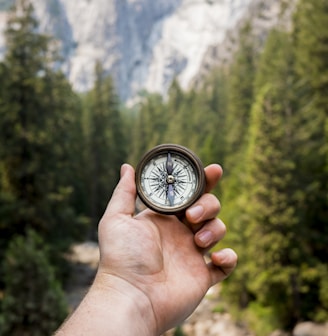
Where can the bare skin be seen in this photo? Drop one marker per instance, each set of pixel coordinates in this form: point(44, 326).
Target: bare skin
point(152, 273)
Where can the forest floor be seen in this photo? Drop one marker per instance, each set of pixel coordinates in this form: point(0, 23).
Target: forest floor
point(207, 320)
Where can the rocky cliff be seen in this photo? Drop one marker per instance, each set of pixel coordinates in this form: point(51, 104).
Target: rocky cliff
point(143, 44)
point(263, 15)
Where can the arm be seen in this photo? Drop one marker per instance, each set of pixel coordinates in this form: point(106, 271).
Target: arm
point(152, 273)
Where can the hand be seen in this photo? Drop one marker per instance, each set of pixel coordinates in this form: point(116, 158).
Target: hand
point(153, 264)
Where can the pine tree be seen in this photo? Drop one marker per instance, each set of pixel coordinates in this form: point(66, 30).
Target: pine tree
point(38, 132)
point(311, 63)
point(273, 227)
point(150, 125)
point(272, 232)
point(240, 78)
point(240, 94)
point(176, 112)
point(311, 56)
point(106, 143)
point(33, 302)
point(213, 143)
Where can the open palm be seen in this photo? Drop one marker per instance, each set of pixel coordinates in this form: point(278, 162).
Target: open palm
point(162, 256)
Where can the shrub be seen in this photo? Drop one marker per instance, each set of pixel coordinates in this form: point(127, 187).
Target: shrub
point(33, 302)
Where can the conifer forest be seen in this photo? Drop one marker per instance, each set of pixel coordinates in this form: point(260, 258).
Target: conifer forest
point(262, 116)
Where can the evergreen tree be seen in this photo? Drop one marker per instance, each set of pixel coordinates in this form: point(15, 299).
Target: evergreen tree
point(240, 76)
point(33, 302)
point(311, 58)
point(213, 144)
point(176, 112)
point(107, 146)
point(37, 137)
point(182, 129)
point(272, 225)
point(311, 63)
point(150, 126)
point(175, 95)
point(271, 232)
point(240, 94)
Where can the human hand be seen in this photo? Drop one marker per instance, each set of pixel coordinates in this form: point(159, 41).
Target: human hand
point(152, 273)
point(158, 257)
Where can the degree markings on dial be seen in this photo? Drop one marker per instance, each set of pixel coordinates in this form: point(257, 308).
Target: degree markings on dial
point(156, 186)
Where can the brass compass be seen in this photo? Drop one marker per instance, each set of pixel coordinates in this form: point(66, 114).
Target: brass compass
point(170, 178)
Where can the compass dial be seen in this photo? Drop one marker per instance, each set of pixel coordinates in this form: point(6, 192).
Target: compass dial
point(170, 178)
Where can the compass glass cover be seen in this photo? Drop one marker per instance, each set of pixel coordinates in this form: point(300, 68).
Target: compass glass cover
point(169, 180)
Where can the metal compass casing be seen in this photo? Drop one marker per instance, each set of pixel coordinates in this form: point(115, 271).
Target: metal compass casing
point(170, 178)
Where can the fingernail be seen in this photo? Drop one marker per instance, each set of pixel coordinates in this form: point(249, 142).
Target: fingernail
point(222, 255)
point(196, 212)
point(123, 169)
point(205, 237)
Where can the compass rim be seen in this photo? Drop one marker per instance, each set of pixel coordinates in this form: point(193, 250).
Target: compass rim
point(186, 154)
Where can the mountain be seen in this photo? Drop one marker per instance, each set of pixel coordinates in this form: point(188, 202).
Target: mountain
point(143, 44)
point(263, 15)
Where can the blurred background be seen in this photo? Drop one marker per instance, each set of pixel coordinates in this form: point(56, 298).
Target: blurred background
point(87, 85)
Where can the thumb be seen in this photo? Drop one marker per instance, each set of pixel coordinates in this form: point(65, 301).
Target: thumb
point(124, 195)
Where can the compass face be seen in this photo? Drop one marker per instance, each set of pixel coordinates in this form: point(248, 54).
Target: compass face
point(170, 178)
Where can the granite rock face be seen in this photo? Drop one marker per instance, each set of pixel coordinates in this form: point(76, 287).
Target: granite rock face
point(143, 44)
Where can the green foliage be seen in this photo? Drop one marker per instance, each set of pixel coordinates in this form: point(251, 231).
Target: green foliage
point(311, 44)
point(148, 127)
point(263, 117)
point(33, 302)
point(283, 173)
point(311, 54)
point(240, 94)
point(262, 320)
point(105, 142)
point(220, 308)
point(40, 132)
point(179, 331)
point(190, 118)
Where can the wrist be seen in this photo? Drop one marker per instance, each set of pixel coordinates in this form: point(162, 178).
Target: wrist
point(113, 307)
point(137, 313)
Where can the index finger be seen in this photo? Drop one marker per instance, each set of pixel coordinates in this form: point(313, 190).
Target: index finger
point(213, 173)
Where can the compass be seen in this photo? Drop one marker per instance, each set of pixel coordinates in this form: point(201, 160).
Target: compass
point(170, 178)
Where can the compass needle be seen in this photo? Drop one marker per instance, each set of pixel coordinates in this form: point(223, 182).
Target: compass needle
point(169, 164)
point(170, 194)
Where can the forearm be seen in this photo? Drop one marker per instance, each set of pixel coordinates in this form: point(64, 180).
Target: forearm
point(111, 310)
